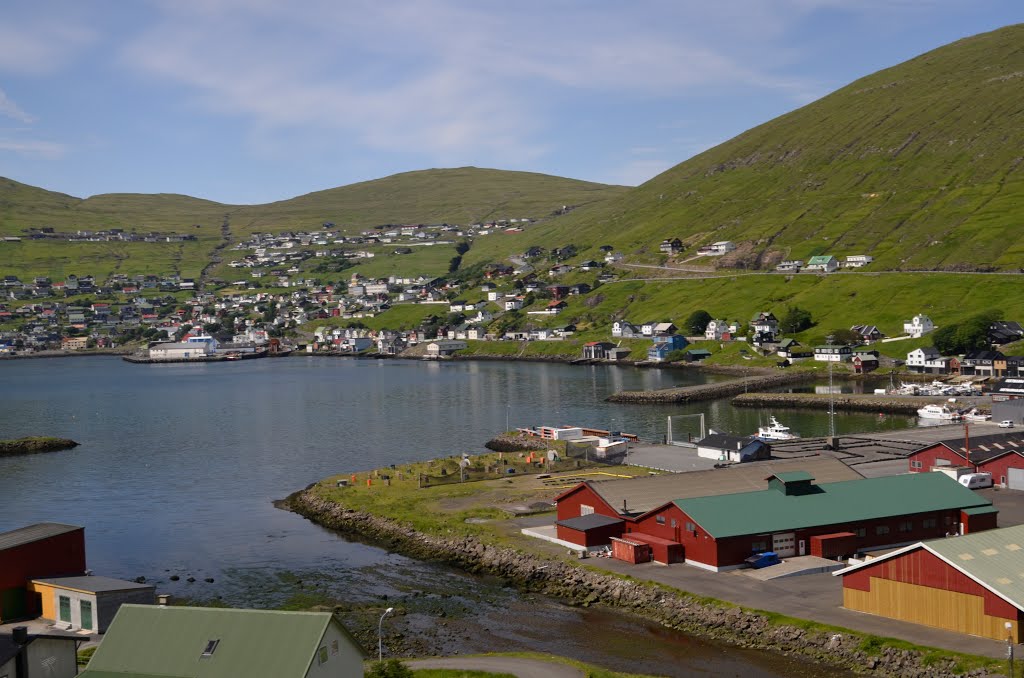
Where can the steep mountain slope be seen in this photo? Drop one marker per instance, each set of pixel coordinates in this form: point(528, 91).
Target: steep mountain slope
point(918, 165)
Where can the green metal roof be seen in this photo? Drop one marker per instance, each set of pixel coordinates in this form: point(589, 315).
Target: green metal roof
point(169, 642)
point(820, 259)
point(993, 557)
point(765, 511)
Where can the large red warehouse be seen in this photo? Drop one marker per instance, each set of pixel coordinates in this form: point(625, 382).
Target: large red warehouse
point(1001, 454)
point(970, 584)
point(41, 550)
point(790, 514)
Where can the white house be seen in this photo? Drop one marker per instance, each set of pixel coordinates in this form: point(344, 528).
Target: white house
point(715, 329)
point(513, 303)
point(790, 266)
point(920, 357)
point(858, 261)
point(825, 263)
point(918, 326)
point(624, 329)
point(832, 354)
point(444, 347)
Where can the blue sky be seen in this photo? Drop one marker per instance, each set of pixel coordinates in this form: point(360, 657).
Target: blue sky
point(250, 101)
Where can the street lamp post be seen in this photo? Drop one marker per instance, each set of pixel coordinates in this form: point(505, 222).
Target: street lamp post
point(380, 632)
point(508, 408)
point(1009, 645)
point(831, 398)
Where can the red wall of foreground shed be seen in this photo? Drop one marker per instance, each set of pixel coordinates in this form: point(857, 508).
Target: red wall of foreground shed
point(978, 523)
point(597, 536)
point(923, 568)
point(56, 556)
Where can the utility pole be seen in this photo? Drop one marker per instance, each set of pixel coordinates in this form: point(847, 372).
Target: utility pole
point(831, 396)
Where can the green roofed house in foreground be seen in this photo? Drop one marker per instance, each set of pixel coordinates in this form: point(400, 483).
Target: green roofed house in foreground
point(147, 641)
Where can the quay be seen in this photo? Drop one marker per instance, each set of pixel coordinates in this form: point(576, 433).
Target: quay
point(687, 394)
point(890, 404)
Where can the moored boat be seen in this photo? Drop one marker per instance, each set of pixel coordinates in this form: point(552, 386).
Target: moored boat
point(776, 431)
point(942, 412)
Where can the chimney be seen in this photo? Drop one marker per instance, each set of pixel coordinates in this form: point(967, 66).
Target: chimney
point(19, 634)
point(624, 509)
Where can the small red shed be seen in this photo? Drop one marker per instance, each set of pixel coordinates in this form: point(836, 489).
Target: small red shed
point(664, 551)
point(835, 545)
point(630, 550)
point(590, 530)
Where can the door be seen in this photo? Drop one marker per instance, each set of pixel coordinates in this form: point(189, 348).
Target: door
point(784, 544)
point(86, 609)
point(1015, 478)
point(803, 548)
point(64, 613)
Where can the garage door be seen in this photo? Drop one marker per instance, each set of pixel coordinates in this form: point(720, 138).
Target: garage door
point(784, 544)
point(1015, 479)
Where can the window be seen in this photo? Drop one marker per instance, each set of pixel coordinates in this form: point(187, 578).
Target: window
point(759, 546)
point(65, 608)
point(916, 464)
point(906, 526)
point(211, 647)
point(929, 523)
point(660, 520)
point(881, 529)
point(675, 523)
point(586, 510)
point(322, 655)
point(690, 527)
point(861, 532)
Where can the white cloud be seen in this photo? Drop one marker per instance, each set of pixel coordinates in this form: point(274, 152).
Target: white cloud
point(40, 45)
point(441, 77)
point(11, 110)
point(33, 148)
point(636, 172)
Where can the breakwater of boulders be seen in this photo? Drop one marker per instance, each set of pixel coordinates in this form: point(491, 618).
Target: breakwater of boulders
point(724, 389)
point(848, 402)
point(586, 586)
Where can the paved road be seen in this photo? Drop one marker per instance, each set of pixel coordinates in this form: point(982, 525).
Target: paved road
point(517, 666)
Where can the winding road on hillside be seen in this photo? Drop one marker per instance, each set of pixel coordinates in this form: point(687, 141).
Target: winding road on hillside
point(705, 275)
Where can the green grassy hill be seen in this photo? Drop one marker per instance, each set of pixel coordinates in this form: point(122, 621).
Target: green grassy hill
point(919, 165)
point(458, 196)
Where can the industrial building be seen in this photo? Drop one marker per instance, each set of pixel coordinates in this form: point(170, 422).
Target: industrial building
point(1001, 454)
point(791, 512)
point(88, 603)
point(971, 584)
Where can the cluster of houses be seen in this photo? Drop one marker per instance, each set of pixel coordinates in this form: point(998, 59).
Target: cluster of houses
point(105, 235)
point(824, 263)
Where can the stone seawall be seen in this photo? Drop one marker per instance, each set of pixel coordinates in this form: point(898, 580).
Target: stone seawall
point(844, 402)
point(585, 586)
point(686, 394)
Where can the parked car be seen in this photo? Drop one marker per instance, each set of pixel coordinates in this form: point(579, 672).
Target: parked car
point(1006, 423)
point(976, 481)
point(766, 559)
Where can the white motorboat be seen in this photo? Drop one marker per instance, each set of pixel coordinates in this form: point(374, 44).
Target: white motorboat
point(942, 412)
point(776, 431)
point(975, 415)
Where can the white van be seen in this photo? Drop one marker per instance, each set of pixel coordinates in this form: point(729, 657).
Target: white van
point(976, 481)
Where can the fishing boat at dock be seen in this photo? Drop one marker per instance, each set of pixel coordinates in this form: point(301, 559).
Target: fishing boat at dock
point(776, 431)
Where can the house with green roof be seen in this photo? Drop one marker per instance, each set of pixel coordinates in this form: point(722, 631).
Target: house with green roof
point(147, 641)
point(971, 584)
point(794, 513)
point(824, 263)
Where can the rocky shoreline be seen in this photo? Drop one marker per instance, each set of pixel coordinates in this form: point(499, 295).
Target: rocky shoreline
point(35, 445)
point(687, 394)
point(586, 586)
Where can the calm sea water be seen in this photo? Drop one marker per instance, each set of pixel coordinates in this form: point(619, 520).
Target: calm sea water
point(179, 464)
